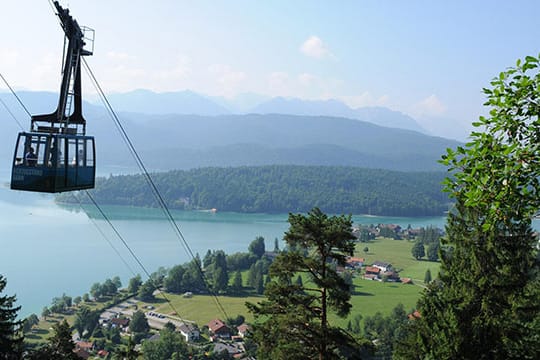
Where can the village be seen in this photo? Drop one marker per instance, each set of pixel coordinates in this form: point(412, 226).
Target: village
point(223, 337)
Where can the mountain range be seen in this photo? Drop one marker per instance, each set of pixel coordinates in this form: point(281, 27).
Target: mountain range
point(190, 103)
point(168, 138)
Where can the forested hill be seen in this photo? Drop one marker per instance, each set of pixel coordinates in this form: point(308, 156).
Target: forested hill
point(282, 189)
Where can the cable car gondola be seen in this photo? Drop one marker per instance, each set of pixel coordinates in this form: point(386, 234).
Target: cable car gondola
point(56, 155)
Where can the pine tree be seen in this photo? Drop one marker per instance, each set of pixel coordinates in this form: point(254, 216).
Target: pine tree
point(59, 346)
point(427, 277)
point(486, 302)
point(293, 322)
point(237, 281)
point(11, 338)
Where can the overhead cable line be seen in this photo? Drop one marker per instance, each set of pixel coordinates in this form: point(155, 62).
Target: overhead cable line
point(95, 224)
point(10, 113)
point(105, 236)
point(16, 96)
point(63, 25)
point(152, 184)
point(131, 252)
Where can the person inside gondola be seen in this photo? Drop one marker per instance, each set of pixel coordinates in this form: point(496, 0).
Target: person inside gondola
point(54, 154)
point(30, 157)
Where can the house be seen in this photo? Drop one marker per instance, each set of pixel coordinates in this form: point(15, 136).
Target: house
point(232, 349)
point(372, 270)
point(390, 275)
point(243, 329)
point(384, 266)
point(219, 329)
point(189, 331)
point(372, 273)
point(120, 323)
point(354, 263)
point(84, 345)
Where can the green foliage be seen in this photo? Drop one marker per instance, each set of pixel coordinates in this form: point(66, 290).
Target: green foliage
point(10, 337)
point(486, 301)
point(276, 245)
point(256, 274)
point(173, 282)
point(59, 346)
point(237, 281)
point(96, 290)
point(282, 189)
point(139, 323)
point(293, 321)
point(146, 291)
point(127, 352)
point(418, 250)
point(433, 251)
point(61, 303)
point(187, 277)
point(240, 261)
point(134, 284)
point(427, 277)
point(256, 247)
point(29, 322)
point(45, 312)
point(86, 321)
point(387, 331)
point(169, 342)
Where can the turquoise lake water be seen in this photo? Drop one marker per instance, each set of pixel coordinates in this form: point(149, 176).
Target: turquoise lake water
point(48, 249)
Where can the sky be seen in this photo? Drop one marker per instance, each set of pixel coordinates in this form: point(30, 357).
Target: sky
point(427, 59)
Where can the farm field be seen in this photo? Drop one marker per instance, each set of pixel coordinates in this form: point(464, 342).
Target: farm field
point(368, 298)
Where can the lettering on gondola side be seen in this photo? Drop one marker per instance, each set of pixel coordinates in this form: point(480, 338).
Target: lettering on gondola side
point(19, 173)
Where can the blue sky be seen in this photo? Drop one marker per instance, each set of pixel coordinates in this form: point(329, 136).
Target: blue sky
point(428, 59)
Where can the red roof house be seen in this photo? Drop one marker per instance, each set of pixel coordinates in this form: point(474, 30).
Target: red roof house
point(218, 328)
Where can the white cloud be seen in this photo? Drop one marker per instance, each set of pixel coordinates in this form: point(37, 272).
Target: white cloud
point(430, 106)
point(315, 48)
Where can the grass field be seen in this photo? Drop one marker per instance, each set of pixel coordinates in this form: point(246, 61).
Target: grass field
point(369, 297)
point(203, 308)
point(397, 253)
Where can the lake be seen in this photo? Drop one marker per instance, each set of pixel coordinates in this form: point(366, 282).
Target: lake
point(49, 249)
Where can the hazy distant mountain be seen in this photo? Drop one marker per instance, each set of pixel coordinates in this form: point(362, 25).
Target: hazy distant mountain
point(190, 103)
point(179, 102)
point(376, 115)
point(241, 103)
point(187, 141)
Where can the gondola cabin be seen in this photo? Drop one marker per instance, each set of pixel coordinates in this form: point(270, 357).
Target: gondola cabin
point(56, 155)
point(53, 162)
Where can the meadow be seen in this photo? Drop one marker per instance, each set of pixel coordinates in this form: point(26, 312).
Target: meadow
point(368, 297)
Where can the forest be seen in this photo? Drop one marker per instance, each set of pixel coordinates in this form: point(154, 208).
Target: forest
point(281, 189)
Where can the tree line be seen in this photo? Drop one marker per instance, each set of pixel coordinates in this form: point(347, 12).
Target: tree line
point(281, 189)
